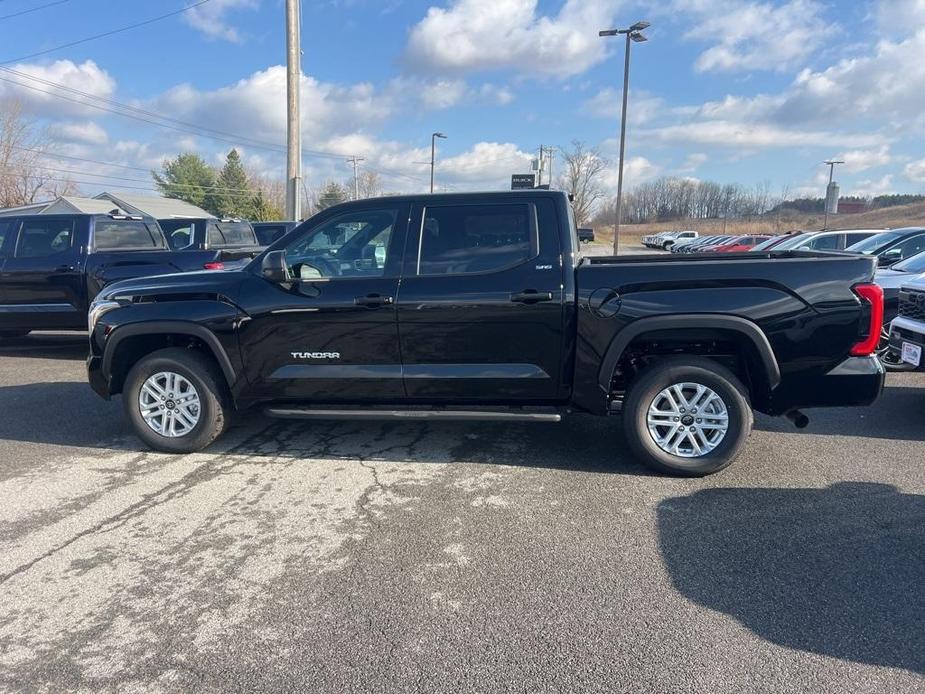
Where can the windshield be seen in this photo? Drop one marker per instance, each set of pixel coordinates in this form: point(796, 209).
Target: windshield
point(774, 241)
point(870, 246)
point(794, 241)
point(914, 265)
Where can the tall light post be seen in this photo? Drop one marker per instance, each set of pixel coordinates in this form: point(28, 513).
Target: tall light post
point(633, 33)
point(828, 191)
point(433, 156)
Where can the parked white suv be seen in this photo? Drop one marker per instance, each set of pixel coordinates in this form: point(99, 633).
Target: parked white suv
point(680, 238)
point(907, 331)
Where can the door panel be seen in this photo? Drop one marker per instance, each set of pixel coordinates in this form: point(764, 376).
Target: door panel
point(480, 305)
point(42, 278)
point(331, 335)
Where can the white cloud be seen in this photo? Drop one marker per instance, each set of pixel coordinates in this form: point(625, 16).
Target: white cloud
point(754, 35)
point(642, 108)
point(211, 20)
point(256, 105)
point(500, 96)
point(857, 160)
point(883, 88)
point(870, 188)
point(86, 132)
point(86, 77)
point(473, 35)
point(486, 162)
point(636, 170)
point(753, 136)
point(901, 16)
point(915, 171)
point(693, 162)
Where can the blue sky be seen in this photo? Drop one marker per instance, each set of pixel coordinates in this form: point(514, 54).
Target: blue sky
point(741, 91)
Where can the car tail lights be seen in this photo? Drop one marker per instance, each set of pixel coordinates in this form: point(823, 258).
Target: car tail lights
point(873, 295)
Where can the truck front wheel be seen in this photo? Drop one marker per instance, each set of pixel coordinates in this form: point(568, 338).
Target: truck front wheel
point(175, 400)
point(687, 416)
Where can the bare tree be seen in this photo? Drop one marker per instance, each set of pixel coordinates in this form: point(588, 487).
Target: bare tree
point(23, 178)
point(584, 167)
point(370, 185)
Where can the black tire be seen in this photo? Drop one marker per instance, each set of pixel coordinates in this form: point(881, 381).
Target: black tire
point(9, 334)
point(206, 378)
point(700, 370)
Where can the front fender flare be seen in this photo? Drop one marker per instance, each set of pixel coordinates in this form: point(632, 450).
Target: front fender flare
point(690, 321)
point(167, 326)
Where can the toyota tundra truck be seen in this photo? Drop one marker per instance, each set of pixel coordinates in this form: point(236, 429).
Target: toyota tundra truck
point(480, 306)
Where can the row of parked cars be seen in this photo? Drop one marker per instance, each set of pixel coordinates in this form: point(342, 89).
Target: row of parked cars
point(900, 255)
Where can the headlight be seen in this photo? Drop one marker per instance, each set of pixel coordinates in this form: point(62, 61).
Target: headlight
point(97, 310)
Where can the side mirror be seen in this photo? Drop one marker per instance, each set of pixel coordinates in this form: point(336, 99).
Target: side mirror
point(273, 267)
point(892, 256)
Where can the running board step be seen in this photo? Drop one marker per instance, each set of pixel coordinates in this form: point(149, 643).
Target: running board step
point(443, 415)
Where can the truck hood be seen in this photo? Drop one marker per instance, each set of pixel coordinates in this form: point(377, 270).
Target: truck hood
point(203, 284)
point(893, 279)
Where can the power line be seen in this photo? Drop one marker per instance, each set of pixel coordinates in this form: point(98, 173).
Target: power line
point(190, 128)
point(140, 180)
point(150, 188)
point(106, 33)
point(34, 9)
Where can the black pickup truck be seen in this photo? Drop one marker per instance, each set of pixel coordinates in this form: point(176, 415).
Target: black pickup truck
point(480, 307)
point(235, 239)
point(52, 266)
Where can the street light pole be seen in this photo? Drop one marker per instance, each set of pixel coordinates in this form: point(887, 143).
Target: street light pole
point(633, 33)
point(433, 156)
point(831, 164)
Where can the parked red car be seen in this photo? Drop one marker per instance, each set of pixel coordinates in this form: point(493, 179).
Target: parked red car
point(743, 243)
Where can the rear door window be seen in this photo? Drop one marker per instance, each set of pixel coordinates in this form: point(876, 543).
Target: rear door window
point(470, 239)
point(226, 234)
point(825, 243)
point(5, 233)
point(43, 238)
point(179, 233)
point(125, 235)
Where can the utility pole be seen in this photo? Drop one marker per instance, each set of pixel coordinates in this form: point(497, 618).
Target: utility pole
point(542, 162)
point(829, 191)
point(293, 116)
point(356, 175)
point(433, 156)
point(633, 33)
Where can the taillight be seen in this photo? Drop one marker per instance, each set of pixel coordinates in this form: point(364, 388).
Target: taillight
point(216, 265)
point(873, 295)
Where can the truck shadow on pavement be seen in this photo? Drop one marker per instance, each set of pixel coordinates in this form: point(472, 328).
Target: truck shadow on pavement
point(899, 415)
point(61, 346)
point(71, 414)
point(837, 571)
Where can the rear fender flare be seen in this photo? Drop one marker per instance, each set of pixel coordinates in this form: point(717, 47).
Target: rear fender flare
point(690, 321)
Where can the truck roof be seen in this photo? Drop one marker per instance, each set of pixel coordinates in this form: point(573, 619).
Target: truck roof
point(494, 195)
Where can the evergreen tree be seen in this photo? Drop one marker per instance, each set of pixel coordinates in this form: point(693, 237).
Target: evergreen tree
point(189, 178)
point(234, 197)
point(332, 193)
point(263, 210)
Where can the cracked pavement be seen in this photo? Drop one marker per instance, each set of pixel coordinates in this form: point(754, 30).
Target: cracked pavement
point(367, 557)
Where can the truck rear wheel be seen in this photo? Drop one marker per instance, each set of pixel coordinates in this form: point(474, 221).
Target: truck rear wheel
point(176, 401)
point(687, 416)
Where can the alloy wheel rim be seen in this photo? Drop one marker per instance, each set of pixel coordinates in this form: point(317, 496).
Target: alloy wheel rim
point(169, 404)
point(688, 420)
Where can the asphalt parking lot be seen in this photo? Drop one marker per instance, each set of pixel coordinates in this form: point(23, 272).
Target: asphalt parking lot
point(374, 557)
